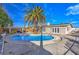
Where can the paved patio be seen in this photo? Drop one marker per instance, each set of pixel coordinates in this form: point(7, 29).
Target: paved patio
point(29, 48)
point(23, 48)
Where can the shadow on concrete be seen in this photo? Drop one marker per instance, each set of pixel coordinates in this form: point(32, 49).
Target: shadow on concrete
point(72, 47)
point(24, 48)
point(74, 41)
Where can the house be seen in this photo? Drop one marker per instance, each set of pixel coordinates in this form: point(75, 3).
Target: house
point(52, 29)
point(10, 29)
point(58, 29)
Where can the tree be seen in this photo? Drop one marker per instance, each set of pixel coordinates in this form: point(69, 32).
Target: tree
point(5, 21)
point(4, 18)
point(36, 18)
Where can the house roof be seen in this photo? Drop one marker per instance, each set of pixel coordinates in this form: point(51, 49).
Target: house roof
point(59, 25)
point(52, 25)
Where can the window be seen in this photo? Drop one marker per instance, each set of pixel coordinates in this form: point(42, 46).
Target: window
point(53, 29)
point(57, 30)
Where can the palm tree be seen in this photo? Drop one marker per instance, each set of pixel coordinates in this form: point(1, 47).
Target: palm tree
point(36, 18)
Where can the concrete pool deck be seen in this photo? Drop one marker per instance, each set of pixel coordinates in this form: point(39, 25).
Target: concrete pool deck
point(56, 38)
point(46, 42)
point(56, 47)
point(25, 47)
point(22, 48)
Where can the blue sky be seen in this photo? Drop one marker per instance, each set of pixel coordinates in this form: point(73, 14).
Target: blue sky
point(56, 13)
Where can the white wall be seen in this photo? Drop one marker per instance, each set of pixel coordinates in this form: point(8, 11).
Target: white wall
point(62, 30)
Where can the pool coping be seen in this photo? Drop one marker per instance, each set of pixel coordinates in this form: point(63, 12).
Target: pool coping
point(47, 42)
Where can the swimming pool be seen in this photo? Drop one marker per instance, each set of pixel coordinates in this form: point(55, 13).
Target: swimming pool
point(31, 38)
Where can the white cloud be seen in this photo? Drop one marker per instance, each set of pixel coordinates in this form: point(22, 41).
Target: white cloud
point(73, 10)
point(74, 22)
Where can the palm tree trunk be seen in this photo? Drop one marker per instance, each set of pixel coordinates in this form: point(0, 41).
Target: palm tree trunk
point(35, 23)
point(24, 26)
point(41, 40)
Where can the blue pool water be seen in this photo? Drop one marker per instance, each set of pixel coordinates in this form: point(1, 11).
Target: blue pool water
point(32, 38)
